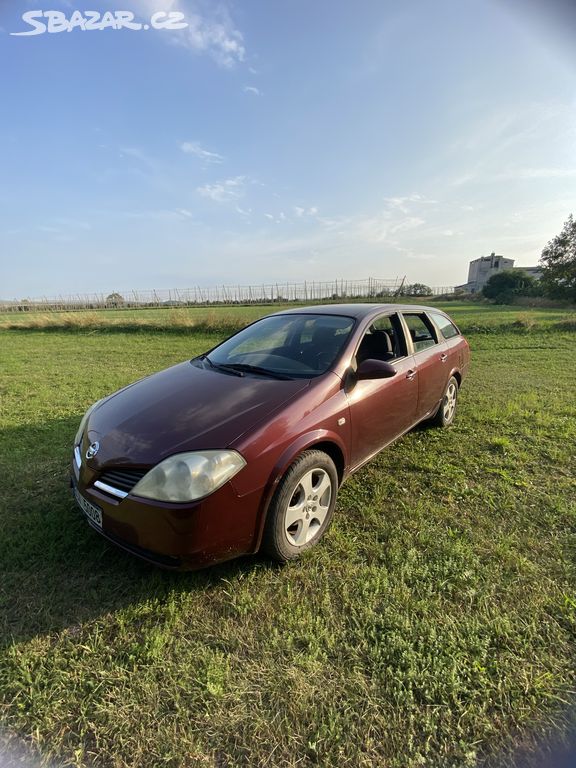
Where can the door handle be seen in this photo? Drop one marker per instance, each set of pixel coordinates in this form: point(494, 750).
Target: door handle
point(443, 358)
point(410, 375)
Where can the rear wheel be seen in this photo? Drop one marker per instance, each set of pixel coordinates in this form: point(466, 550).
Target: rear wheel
point(302, 507)
point(447, 411)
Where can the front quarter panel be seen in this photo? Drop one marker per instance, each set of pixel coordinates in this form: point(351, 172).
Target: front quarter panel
point(319, 415)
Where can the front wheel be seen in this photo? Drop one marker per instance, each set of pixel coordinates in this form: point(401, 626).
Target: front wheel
point(447, 410)
point(302, 507)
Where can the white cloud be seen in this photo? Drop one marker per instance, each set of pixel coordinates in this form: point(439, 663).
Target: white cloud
point(219, 39)
point(214, 35)
point(64, 229)
point(396, 219)
point(222, 191)
point(532, 142)
point(279, 219)
point(490, 176)
point(406, 225)
point(136, 153)
point(252, 89)
point(302, 212)
point(403, 203)
point(383, 227)
point(162, 214)
point(539, 173)
point(196, 149)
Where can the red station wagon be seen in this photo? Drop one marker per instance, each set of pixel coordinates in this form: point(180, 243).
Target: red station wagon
point(244, 447)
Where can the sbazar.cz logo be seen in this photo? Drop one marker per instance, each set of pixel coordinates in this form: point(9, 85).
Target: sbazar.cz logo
point(86, 21)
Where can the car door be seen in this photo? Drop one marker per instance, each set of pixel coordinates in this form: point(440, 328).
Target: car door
point(430, 361)
point(382, 409)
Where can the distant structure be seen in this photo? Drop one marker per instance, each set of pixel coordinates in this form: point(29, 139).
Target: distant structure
point(481, 270)
point(535, 272)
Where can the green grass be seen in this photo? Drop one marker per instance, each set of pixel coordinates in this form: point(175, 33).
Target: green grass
point(471, 317)
point(435, 625)
point(125, 320)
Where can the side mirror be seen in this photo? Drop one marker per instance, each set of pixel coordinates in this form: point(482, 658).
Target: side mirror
point(375, 369)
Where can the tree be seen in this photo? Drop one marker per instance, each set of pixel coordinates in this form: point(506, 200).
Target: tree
point(114, 300)
point(417, 289)
point(558, 262)
point(504, 286)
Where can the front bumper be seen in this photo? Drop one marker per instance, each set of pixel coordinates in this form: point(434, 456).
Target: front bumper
point(177, 536)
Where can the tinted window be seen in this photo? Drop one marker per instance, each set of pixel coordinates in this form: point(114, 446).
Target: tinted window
point(421, 331)
point(447, 327)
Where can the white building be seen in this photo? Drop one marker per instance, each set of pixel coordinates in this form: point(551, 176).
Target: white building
point(481, 270)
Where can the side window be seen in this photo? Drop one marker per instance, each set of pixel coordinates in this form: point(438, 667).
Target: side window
point(383, 340)
point(421, 330)
point(447, 328)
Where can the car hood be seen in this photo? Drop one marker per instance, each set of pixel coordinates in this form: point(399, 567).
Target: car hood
point(183, 408)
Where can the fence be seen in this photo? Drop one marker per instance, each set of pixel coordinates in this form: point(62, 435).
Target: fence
point(307, 291)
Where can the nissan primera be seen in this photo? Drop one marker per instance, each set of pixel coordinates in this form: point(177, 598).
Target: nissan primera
point(244, 447)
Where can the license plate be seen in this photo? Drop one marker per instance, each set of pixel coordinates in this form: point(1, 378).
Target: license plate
point(93, 513)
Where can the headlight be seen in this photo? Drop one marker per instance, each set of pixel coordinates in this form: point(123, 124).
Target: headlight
point(189, 476)
point(82, 426)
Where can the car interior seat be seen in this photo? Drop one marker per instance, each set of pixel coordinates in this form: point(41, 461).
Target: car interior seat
point(377, 346)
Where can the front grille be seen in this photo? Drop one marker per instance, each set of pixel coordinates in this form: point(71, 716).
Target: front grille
point(122, 479)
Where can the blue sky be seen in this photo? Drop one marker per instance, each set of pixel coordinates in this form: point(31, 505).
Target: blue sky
point(282, 140)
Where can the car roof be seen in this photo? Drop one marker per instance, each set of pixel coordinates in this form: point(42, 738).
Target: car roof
point(359, 310)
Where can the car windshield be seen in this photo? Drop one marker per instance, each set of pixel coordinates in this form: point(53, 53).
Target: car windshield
point(285, 346)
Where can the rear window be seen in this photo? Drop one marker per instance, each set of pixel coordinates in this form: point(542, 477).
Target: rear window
point(446, 326)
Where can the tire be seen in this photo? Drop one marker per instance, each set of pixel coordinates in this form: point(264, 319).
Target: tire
point(302, 507)
point(447, 410)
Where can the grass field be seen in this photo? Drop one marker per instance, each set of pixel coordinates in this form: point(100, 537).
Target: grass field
point(435, 625)
point(473, 318)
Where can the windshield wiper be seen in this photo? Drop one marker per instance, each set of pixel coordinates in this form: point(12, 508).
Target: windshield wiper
point(221, 367)
point(239, 369)
point(242, 368)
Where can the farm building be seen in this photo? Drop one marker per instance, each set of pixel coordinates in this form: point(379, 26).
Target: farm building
point(481, 270)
